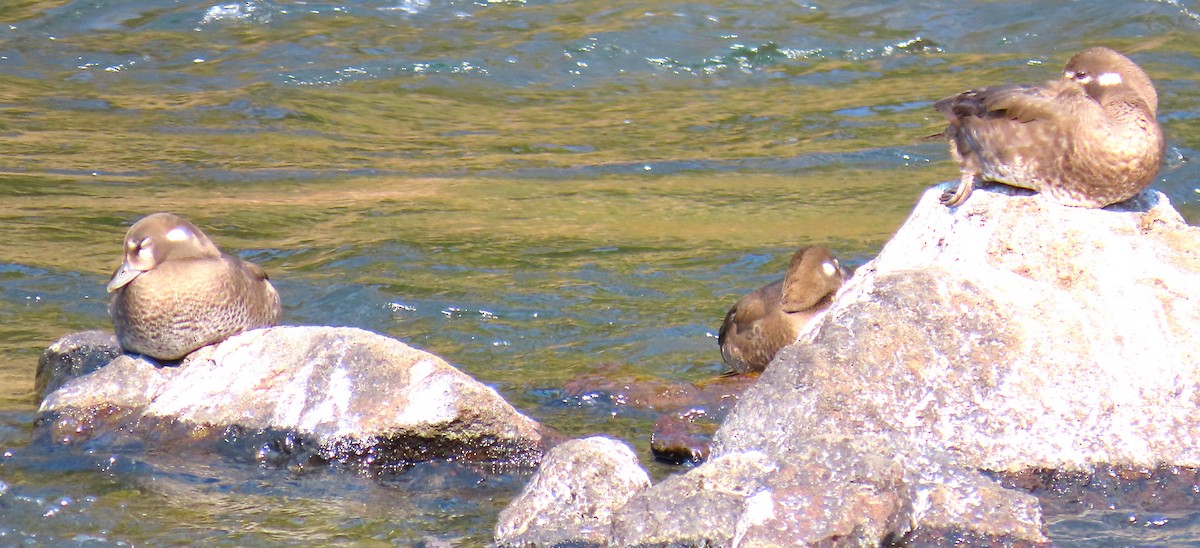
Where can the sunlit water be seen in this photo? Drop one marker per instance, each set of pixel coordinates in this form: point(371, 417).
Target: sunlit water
point(534, 190)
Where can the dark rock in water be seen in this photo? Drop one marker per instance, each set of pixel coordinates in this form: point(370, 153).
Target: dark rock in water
point(601, 474)
point(680, 438)
point(1142, 495)
point(689, 411)
point(73, 356)
point(623, 388)
point(1007, 335)
point(351, 395)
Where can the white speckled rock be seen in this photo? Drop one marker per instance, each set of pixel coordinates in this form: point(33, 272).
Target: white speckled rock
point(600, 473)
point(842, 492)
point(1014, 332)
point(351, 391)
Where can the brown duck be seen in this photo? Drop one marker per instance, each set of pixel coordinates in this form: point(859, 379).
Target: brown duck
point(176, 292)
point(1089, 139)
point(772, 316)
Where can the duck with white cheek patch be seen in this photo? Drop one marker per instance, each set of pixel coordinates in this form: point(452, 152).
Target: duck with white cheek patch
point(1089, 139)
point(771, 317)
point(176, 292)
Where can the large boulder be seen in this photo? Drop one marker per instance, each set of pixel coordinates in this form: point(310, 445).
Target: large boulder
point(1012, 332)
point(348, 394)
point(1008, 335)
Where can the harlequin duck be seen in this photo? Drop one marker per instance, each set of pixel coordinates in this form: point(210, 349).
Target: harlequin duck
point(1089, 139)
point(772, 316)
point(176, 292)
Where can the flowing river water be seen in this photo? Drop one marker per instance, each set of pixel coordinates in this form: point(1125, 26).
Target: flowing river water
point(537, 191)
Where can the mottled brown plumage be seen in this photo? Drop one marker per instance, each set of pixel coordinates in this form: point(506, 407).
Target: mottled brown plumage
point(1089, 139)
point(176, 292)
point(771, 317)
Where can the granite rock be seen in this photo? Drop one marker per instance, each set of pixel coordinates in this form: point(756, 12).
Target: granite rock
point(348, 394)
point(835, 491)
point(1012, 332)
point(571, 498)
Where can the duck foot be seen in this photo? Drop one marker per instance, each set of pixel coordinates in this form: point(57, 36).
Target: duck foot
point(958, 195)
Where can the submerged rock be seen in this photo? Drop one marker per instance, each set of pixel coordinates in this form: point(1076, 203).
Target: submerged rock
point(689, 412)
point(354, 396)
point(681, 437)
point(599, 475)
point(1007, 335)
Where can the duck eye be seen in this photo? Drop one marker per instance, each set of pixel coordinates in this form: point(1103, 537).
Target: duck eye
point(145, 249)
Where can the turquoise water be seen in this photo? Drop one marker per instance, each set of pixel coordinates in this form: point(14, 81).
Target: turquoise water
point(538, 191)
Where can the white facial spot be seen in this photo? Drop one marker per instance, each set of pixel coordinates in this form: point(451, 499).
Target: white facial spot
point(829, 268)
point(1109, 79)
point(177, 235)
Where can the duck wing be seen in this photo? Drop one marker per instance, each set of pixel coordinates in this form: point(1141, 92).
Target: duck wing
point(1017, 102)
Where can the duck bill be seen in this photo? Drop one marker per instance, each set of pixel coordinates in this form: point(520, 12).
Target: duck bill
point(122, 277)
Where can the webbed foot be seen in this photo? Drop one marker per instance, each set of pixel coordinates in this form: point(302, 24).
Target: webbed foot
point(958, 195)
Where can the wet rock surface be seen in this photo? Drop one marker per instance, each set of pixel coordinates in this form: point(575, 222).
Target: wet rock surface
point(73, 356)
point(681, 437)
point(1007, 335)
point(573, 495)
point(323, 393)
